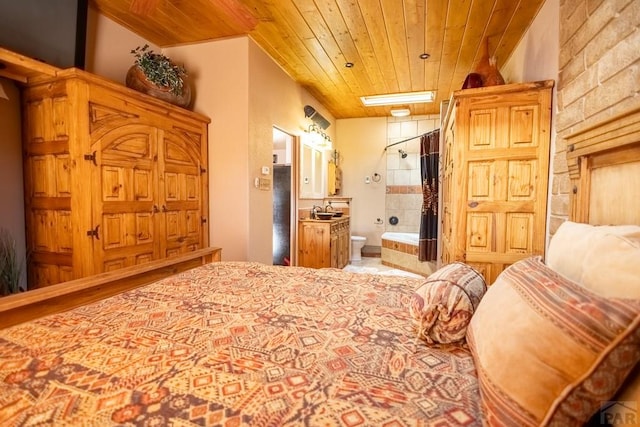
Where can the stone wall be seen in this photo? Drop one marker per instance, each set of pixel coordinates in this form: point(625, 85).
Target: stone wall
point(599, 77)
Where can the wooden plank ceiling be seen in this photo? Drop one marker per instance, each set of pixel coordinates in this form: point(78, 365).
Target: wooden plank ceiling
point(313, 40)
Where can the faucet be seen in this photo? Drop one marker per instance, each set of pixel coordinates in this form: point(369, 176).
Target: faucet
point(328, 208)
point(314, 210)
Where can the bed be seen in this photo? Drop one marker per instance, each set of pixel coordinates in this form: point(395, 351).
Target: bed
point(228, 343)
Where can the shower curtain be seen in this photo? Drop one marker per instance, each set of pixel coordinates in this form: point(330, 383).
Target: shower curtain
point(429, 157)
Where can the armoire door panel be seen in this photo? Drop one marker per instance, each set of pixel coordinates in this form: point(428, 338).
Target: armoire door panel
point(519, 238)
point(481, 176)
point(59, 118)
point(192, 223)
point(38, 121)
point(173, 222)
point(144, 228)
point(64, 231)
point(103, 118)
point(114, 264)
point(522, 179)
point(143, 190)
point(42, 223)
point(480, 232)
point(482, 129)
point(112, 184)
point(192, 187)
point(42, 169)
point(143, 257)
point(63, 175)
point(128, 145)
point(523, 128)
point(112, 231)
point(171, 187)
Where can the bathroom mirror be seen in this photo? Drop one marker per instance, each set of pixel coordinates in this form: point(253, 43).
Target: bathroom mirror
point(312, 171)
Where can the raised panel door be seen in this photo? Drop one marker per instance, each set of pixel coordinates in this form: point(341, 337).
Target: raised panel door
point(180, 195)
point(501, 160)
point(124, 204)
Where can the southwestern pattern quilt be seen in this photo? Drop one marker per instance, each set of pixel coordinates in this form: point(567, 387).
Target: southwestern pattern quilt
point(238, 344)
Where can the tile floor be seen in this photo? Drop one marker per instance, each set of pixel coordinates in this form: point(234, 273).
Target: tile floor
point(374, 266)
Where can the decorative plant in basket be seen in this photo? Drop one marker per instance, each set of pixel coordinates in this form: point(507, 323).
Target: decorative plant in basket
point(156, 75)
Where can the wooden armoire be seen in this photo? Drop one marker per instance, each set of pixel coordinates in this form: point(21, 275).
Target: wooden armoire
point(113, 177)
point(495, 167)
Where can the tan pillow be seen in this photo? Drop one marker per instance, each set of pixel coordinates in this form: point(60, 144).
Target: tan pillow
point(604, 259)
point(547, 350)
point(442, 307)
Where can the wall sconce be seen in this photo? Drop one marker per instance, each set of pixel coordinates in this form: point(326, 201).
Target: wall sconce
point(318, 137)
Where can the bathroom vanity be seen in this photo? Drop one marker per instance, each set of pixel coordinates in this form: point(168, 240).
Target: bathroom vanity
point(323, 243)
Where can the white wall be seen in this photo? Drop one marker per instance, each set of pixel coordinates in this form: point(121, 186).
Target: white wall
point(536, 56)
point(219, 74)
point(361, 143)
point(274, 100)
point(109, 45)
point(246, 94)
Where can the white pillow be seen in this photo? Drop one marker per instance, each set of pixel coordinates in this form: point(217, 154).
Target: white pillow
point(604, 259)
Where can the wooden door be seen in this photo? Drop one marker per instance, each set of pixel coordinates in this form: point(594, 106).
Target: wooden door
point(505, 152)
point(180, 196)
point(125, 208)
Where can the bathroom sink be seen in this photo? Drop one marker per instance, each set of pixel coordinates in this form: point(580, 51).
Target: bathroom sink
point(337, 214)
point(324, 215)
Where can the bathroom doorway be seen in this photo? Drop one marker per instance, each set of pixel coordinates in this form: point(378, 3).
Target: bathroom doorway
point(283, 197)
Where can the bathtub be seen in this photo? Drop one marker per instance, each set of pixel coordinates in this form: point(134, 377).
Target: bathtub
point(400, 250)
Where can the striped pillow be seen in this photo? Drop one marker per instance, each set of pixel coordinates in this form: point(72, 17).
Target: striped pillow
point(547, 350)
point(442, 307)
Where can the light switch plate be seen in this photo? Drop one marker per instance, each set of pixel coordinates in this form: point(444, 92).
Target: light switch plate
point(265, 170)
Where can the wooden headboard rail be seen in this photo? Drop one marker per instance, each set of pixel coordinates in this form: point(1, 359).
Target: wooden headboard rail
point(614, 141)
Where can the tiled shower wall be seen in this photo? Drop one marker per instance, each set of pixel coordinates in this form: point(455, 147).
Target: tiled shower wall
point(599, 77)
point(404, 188)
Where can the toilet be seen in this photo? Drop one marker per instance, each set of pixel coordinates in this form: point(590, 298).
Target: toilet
point(357, 243)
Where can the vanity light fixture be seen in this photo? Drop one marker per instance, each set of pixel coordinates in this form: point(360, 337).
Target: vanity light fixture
point(398, 98)
point(318, 137)
point(400, 112)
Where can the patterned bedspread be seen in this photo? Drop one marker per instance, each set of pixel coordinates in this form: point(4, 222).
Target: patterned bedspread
point(238, 344)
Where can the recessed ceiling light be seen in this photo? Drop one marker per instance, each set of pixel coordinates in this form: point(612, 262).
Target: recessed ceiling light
point(400, 112)
point(348, 64)
point(424, 55)
point(398, 98)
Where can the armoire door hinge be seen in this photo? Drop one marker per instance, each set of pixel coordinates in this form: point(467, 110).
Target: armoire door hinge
point(91, 157)
point(202, 170)
point(94, 232)
point(203, 220)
